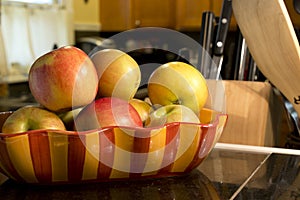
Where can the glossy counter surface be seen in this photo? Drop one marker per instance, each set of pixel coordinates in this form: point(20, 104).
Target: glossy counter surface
point(230, 172)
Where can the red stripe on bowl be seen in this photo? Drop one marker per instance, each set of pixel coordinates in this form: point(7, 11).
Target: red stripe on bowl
point(197, 160)
point(40, 155)
point(76, 155)
point(207, 141)
point(172, 142)
point(139, 156)
point(107, 150)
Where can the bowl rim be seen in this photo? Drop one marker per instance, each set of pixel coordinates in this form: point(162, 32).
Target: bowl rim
point(213, 123)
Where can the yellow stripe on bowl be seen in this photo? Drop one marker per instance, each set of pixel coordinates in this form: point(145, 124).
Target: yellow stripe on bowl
point(91, 162)
point(188, 145)
point(19, 151)
point(59, 156)
point(124, 139)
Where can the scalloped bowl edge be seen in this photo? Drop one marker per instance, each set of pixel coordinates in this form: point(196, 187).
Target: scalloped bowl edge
point(112, 153)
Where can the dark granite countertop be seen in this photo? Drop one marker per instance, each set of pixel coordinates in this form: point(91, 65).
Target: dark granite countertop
point(237, 172)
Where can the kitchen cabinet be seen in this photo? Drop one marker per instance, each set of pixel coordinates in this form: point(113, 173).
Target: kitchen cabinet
point(157, 13)
point(86, 15)
point(119, 15)
point(189, 13)
point(182, 15)
point(115, 15)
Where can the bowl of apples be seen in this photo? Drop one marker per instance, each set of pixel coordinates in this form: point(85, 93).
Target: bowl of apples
point(89, 125)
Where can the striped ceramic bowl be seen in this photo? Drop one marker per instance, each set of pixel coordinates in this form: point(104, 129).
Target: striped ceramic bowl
point(114, 153)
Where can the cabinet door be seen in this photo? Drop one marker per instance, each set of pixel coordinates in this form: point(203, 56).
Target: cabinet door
point(115, 15)
point(189, 13)
point(159, 13)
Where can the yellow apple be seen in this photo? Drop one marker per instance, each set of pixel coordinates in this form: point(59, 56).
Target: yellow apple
point(119, 74)
point(142, 107)
point(32, 118)
point(171, 113)
point(178, 83)
point(68, 117)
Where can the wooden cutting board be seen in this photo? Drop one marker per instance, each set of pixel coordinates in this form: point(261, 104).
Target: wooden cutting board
point(272, 41)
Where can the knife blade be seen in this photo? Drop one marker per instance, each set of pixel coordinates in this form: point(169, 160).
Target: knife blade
point(206, 42)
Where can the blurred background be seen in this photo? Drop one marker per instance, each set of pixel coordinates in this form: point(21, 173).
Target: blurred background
point(29, 28)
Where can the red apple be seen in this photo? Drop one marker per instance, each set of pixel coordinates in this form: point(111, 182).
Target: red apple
point(32, 118)
point(107, 111)
point(119, 74)
point(64, 78)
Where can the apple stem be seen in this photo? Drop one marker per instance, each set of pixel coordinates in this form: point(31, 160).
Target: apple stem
point(177, 102)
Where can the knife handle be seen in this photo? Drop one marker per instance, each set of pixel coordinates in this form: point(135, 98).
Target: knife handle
point(223, 26)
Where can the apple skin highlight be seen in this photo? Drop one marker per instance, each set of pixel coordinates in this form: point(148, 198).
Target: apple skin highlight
point(178, 83)
point(63, 79)
point(105, 112)
point(32, 118)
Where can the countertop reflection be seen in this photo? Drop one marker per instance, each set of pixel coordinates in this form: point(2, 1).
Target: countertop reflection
point(227, 173)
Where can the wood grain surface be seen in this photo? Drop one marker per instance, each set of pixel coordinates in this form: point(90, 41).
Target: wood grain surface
point(254, 114)
point(272, 41)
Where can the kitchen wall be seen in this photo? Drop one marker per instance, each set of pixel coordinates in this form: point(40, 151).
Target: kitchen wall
point(3, 68)
point(86, 15)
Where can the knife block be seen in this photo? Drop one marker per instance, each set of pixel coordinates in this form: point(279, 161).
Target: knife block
point(255, 114)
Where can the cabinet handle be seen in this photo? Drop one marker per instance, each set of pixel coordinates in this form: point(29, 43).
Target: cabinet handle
point(137, 23)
